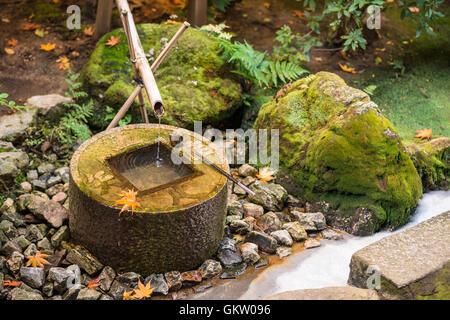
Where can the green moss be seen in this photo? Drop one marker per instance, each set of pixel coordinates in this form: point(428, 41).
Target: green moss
point(44, 12)
point(192, 79)
point(336, 145)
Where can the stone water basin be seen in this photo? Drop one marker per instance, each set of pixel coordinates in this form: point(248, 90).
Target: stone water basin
point(183, 206)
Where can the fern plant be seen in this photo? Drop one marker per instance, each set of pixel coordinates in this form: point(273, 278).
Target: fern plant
point(255, 66)
point(73, 125)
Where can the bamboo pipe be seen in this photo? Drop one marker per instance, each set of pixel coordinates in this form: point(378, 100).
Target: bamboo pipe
point(140, 60)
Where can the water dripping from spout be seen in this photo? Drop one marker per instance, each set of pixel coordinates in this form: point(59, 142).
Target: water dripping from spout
point(158, 157)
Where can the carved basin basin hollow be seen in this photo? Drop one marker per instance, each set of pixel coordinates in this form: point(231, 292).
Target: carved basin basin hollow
point(183, 203)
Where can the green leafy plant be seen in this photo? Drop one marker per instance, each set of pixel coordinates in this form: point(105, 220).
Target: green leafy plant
point(255, 67)
point(293, 47)
point(217, 6)
point(10, 104)
point(111, 113)
point(345, 18)
point(73, 125)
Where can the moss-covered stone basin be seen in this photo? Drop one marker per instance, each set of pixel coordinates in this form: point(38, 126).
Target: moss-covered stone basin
point(181, 219)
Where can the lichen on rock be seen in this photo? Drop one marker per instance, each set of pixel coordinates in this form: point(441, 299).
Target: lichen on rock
point(194, 82)
point(337, 146)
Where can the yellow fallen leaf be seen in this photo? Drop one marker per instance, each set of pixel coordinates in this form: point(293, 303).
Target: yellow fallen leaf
point(48, 47)
point(347, 68)
point(265, 174)
point(5, 20)
point(266, 4)
point(319, 59)
point(9, 51)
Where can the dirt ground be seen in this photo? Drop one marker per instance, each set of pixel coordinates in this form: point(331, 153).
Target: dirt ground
point(31, 71)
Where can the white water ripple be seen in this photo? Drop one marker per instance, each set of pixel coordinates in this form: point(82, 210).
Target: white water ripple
point(328, 265)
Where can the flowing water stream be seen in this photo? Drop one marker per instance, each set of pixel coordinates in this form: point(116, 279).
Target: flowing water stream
point(325, 266)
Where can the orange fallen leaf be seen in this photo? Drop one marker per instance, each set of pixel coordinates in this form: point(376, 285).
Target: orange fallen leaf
point(143, 291)
point(64, 63)
point(9, 51)
point(234, 173)
point(88, 31)
point(424, 133)
point(94, 283)
point(128, 201)
point(5, 20)
point(347, 68)
point(38, 260)
point(113, 41)
point(9, 283)
point(48, 47)
point(55, 1)
point(267, 5)
point(299, 14)
point(265, 174)
point(318, 59)
point(13, 42)
point(31, 26)
point(344, 54)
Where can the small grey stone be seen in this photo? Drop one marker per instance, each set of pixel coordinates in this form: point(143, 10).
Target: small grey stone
point(14, 217)
point(26, 186)
point(88, 294)
point(329, 234)
point(229, 258)
point(53, 180)
point(32, 175)
point(271, 222)
point(108, 274)
point(44, 244)
point(130, 279)
point(47, 289)
point(210, 268)
point(158, 283)
point(173, 280)
point(297, 232)
point(283, 237)
point(30, 250)
point(239, 226)
point(39, 184)
point(117, 290)
point(249, 253)
point(85, 260)
point(22, 242)
point(34, 233)
point(283, 252)
point(311, 221)
point(15, 261)
point(8, 229)
point(45, 168)
point(34, 277)
point(235, 208)
point(8, 206)
point(61, 235)
point(10, 247)
point(269, 195)
point(21, 294)
point(227, 244)
point(265, 242)
point(312, 243)
point(229, 219)
point(72, 292)
point(253, 210)
point(247, 170)
point(105, 297)
point(55, 189)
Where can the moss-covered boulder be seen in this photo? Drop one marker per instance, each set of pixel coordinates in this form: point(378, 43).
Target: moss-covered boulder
point(432, 161)
point(193, 80)
point(343, 154)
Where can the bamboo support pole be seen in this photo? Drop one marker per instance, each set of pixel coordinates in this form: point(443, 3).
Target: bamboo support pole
point(140, 62)
point(119, 115)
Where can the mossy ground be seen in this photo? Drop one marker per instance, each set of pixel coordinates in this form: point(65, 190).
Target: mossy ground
point(419, 98)
point(192, 79)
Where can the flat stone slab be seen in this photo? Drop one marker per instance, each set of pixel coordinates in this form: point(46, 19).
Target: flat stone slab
point(412, 264)
point(14, 125)
point(327, 293)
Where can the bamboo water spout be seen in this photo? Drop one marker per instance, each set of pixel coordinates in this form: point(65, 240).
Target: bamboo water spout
point(140, 63)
